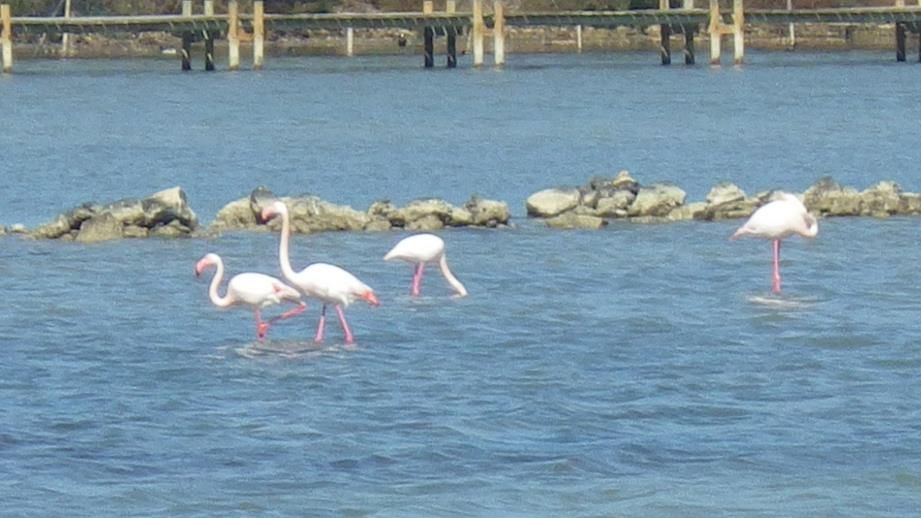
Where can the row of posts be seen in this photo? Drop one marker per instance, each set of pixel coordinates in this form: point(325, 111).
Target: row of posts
point(233, 36)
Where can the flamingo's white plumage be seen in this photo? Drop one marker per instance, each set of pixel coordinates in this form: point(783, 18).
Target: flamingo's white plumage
point(255, 290)
point(329, 283)
point(779, 219)
point(422, 249)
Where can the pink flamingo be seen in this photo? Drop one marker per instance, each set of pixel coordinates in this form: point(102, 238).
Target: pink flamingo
point(251, 289)
point(419, 250)
point(329, 283)
point(777, 220)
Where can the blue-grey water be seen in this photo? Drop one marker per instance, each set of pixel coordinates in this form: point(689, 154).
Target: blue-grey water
point(633, 371)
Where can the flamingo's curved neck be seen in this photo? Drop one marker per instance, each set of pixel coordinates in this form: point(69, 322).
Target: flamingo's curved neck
point(452, 280)
point(286, 269)
point(216, 299)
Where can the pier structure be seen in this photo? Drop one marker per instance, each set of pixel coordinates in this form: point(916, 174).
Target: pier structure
point(715, 20)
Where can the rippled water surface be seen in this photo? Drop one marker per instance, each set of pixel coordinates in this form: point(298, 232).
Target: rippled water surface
point(637, 370)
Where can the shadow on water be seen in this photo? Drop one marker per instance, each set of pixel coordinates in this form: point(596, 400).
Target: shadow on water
point(290, 349)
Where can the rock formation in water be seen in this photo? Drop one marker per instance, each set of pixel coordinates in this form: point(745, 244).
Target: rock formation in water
point(604, 199)
point(309, 214)
point(162, 214)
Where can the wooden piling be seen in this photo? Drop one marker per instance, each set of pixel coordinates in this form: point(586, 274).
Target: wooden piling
point(6, 37)
point(579, 39)
point(350, 41)
point(900, 42)
point(233, 35)
point(186, 38)
point(738, 31)
point(665, 43)
point(689, 45)
point(478, 30)
point(65, 38)
point(258, 35)
point(428, 36)
point(209, 38)
point(665, 37)
point(688, 35)
point(791, 42)
point(498, 33)
point(451, 43)
point(715, 30)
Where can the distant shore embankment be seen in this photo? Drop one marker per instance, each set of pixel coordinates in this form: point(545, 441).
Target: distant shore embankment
point(519, 40)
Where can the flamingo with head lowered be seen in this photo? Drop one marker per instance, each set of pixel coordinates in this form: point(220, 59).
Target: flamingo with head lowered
point(419, 250)
point(778, 220)
point(251, 289)
point(330, 284)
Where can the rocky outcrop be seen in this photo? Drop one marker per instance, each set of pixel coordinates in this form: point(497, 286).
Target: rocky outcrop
point(162, 214)
point(622, 197)
point(312, 214)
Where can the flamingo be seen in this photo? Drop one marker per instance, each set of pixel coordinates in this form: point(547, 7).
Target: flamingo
point(419, 250)
point(330, 284)
point(252, 289)
point(777, 220)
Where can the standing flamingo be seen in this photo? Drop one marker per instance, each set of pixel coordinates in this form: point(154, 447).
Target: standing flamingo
point(419, 250)
point(329, 283)
point(252, 289)
point(779, 219)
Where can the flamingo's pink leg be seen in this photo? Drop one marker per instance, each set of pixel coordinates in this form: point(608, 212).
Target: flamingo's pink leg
point(349, 339)
point(417, 280)
point(292, 312)
point(262, 328)
point(775, 284)
point(321, 326)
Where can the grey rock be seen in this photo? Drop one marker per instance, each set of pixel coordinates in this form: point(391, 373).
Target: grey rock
point(378, 224)
point(104, 227)
point(724, 193)
point(550, 202)
point(260, 198)
point(828, 198)
point(575, 221)
point(615, 205)
point(419, 209)
point(426, 222)
point(488, 213)
point(235, 215)
point(881, 200)
point(656, 200)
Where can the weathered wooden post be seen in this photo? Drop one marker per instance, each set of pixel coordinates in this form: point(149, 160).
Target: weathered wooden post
point(258, 35)
point(738, 31)
point(579, 39)
point(65, 38)
point(451, 7)
point(899, 41)
point(498, 33)
point(715, 30)
point(350, 41)
point(428, 35)
point(665, 37)
point(791, 43)
point(478, 30)
point(6, 37)
point(688, 35)
point(233, 35)
point(186, 38)
point(209, 38)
